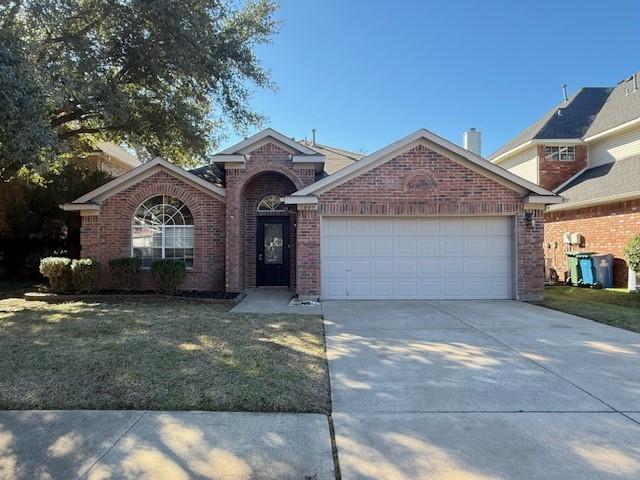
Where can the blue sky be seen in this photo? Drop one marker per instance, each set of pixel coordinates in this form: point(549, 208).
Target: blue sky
point(365, 73)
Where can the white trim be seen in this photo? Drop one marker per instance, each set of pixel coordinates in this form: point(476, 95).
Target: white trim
point(604, 133)
point(571, 178)
point(536, 141)
point(106, 189)
point(387, 153)
point(618, 197)
point(78, 207)
point(543, 199)
point(220, 158)
point(317, 158)
point(268, 132)
point(300, 200)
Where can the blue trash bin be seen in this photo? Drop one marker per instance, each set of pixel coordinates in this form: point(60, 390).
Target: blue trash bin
point(586, 269)
point(603, 267)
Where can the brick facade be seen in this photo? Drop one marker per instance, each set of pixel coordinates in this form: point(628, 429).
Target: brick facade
point(108, 235)
point(422, 182)
point(419, 182)
point(244, 185)
point(553, 173)
point(606, 229)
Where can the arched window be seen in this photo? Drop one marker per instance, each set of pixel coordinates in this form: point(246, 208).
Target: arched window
point(271, 204)
point(162, 228)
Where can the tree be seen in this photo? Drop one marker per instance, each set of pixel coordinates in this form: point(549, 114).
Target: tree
point(164, 74)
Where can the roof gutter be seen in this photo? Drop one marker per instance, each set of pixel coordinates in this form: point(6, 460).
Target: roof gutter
point(536, 141)
point(619, 197)
point(604, 133)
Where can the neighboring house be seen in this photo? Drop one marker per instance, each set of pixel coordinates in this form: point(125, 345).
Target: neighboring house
point(421, 218)
point(110, 158)
point(586, 149)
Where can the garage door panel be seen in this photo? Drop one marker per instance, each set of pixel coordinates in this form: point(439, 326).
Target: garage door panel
point(413, 258)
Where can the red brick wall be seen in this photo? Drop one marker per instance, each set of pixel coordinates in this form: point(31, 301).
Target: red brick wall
point(421, 182)
point(108, 235)
point(260, 186)
point(553, 173)
point(606, 228)
point(240, 258)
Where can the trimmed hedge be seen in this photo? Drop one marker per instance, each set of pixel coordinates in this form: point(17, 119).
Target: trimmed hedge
point(167, 275)
point(58, 271)
point(85, 274)
point(124, 271)
point(632, 253)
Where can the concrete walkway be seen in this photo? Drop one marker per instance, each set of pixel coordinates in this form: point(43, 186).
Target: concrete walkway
point(274, 300)
point(481, 390)
point(39, 445)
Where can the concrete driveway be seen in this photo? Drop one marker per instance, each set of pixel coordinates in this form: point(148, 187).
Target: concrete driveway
point(481, 389)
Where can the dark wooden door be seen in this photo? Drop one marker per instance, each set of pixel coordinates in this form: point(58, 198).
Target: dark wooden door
point(272, 251)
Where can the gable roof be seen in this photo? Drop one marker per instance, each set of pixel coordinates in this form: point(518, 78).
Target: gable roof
point(95, 197)
point(567, 120)
point(382, 155)
point(601, 184)
point(622, 106)
point(334, 158)
point(266, 133)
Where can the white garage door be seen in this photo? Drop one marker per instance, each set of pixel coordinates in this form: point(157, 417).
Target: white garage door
point(417, 258)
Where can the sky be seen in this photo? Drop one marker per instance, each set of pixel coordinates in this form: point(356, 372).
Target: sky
point(366, 73)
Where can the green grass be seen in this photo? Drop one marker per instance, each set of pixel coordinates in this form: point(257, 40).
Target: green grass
point(615, 307)
point(159, 355)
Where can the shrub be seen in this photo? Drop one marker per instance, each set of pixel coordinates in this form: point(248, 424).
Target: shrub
point(58, 271)
point(168, 275)
point(632, 253)
point(85, 274)
point(125, 272)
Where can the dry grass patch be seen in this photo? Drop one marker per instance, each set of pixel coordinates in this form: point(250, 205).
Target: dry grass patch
point(162, 355)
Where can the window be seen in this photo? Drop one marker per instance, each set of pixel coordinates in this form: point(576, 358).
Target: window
point(271, 204)
point(564, 154)
point(162, 228)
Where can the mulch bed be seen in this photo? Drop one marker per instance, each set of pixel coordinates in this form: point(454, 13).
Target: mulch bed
point(225, 298)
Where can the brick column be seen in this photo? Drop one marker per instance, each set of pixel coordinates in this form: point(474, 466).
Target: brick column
point(233, 260)
point(530, 256)
point(308, 252)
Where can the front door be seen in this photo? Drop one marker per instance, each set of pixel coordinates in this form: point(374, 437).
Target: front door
point(272, 251)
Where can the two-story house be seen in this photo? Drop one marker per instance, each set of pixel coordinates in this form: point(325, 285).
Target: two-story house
point(586, 149)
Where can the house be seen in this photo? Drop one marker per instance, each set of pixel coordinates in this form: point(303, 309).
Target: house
point(109, 158)
point(586, 149)
point(421, 218)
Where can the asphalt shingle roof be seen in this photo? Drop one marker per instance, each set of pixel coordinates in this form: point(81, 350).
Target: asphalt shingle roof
point(620, 177)
point(211, 173)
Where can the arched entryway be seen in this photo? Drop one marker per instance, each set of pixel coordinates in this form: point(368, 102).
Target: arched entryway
point(268, 231)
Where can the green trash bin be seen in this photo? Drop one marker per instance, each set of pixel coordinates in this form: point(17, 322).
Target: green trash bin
point(575, 275)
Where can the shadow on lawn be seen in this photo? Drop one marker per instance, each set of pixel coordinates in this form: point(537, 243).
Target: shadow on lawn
point(159, 355)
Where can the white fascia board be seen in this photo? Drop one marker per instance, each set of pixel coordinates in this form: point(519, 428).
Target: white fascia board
point(543, 199)
point(158, 161)
point(508, 153)
point(296, 200)
point(351, 171)
point(119, 154)
point(77, 207)
point(268, 132)
point(619, 197)
point(628, 124)
point(223, 158)
point(571, 179)
point(317, 158)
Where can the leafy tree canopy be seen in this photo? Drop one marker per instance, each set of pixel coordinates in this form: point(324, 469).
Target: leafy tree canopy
point(163, 74)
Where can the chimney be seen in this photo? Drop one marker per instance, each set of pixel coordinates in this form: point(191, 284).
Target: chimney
point(313, 137)
point(473, 141)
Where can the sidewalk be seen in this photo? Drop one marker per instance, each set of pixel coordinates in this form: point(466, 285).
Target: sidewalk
point(167, 445)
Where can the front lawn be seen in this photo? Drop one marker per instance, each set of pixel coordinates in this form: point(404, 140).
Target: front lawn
point(161, 355)
point(615, 307)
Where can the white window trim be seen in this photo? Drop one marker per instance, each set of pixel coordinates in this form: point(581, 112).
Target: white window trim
point(163, 247)
point(561, 149)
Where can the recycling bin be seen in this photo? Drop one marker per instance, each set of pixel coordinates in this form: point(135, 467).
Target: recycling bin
point(586, 268)
point(603, 268)
point(575, 272)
